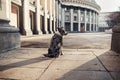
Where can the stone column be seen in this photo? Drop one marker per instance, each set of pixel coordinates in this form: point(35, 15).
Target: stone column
point(54, 14)
point(90, 21)
point(45, 16)
point(5, 10)
point(59, 15)
point(93, 21)
point(51, 16)
point(37, 3)
point(85, 19)
point(71, 19)
point(63, 17)
point(26, 18)
point(97, 22)
point(79, 20)
point(9, 35)
point(57, 11)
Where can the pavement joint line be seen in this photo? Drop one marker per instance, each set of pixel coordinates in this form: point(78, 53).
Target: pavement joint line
point(104, 66)
point(46, 69)
point(69, 60)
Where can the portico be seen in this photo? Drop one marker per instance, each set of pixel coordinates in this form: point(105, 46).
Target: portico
point(32, 17)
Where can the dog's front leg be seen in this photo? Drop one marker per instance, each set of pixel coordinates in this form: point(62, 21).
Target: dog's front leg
point(61, 51)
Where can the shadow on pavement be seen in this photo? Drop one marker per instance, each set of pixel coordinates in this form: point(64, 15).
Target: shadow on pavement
point(103, 67)
point(33, 44)
point(23, 63)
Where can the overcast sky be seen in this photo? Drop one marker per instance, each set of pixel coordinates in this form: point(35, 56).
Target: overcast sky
point(109, 5)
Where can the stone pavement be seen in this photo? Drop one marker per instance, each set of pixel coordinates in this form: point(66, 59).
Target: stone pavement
point(76, 64)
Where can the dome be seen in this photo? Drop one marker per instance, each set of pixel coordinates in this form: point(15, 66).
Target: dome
point(83, 3)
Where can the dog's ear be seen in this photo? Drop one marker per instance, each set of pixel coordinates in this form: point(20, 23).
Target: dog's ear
point(59, 29)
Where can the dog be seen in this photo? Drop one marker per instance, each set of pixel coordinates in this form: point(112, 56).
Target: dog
point(56, 43)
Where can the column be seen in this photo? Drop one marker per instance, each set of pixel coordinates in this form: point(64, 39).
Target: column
point(71, 11)
point(9, 35)
point(54, 15)
point(37, 3)
point(96, 22)
point(63, 17)
point(59, 15)
point(90, 21)
point(79, 20)
point(51, 16)
point(5, 10)
point(57, 11)
point(85, 20)
point(45, 16)
point(93, 21)
point(26, 18)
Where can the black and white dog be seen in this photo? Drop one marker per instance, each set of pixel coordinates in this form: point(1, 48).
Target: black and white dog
point(56, 44)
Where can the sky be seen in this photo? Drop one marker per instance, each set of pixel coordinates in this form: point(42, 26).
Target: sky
point(109, 5)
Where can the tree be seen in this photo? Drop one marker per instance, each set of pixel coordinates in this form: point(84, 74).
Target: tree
point(114, 19)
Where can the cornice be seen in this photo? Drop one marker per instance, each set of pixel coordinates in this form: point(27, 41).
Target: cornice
point(83, 3)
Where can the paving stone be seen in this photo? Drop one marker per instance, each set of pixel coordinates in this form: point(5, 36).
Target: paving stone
point(110, 61)
point(99, 52)
point(77, 53)
point(33, 63)
point(109, 58)
point(112, 65)
point(77, 65)
point(23, 53)
point(116, 75)
point(74, 75)
point(81, 56)
point(79, 62)
point(21, 74)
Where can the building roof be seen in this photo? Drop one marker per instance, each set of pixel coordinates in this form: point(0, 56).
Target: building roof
point(89, 3)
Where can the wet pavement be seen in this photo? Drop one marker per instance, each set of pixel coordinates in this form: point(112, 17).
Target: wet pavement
point(86, 57)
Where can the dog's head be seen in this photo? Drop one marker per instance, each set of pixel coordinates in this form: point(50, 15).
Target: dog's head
point(62, 31)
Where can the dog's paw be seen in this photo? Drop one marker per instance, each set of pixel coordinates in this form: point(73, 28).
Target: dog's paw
point(49, 56)
point(46, 55)
point(61, 54)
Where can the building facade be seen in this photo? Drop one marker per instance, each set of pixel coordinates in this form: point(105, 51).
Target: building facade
point(30, 16)
point(77, 15)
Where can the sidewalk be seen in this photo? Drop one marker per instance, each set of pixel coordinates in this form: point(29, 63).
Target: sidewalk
point(75, 64)
point(36, 36)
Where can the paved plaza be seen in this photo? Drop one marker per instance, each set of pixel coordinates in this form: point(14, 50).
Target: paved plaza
point(87, 56)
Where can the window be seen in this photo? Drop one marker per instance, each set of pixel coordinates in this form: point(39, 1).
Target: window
point(82, 19)
point(67, 18)
point(75, 10)
point(67, 9)
point(75, 18)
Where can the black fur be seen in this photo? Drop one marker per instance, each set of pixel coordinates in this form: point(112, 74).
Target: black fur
point(56, 44)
